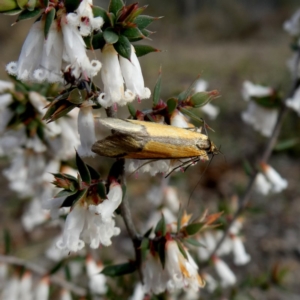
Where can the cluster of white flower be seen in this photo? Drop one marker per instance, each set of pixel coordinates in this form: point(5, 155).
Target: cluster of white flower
point(16, 287)
point(88, 223)
point(232, 244)
point(269, 181)
point(178, 272)
point(262, 119)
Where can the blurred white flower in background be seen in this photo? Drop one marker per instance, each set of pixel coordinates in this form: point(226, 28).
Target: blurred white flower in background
point(292, 26)
point(226, 275)
point(262, 119)
point(97, 281)
point(294, 101)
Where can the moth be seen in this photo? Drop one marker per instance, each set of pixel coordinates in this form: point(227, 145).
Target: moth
point(147, 140)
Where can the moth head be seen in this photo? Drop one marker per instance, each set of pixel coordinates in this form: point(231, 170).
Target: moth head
point(213, 149)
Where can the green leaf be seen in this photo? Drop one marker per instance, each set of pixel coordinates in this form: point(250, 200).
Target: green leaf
point(71, 5)
point(148, 232)
point(65, 193)
point(131, 109)
point(193, 228)
point(46, 3)
point(26, 14)
point(182, 250)
point(123, 47)
point(94, 174)
point(100, 12)
point(7, 242)
point(141, 50)
point(179, 217)
point(71, 200)
point(101, 190)
point(200, 99)
point(161, 228)
point(193, 242)
point(172, 105)
point(115, 6)
point(83, 170)
point(162, 252)
point(62, 111)
point(189, 113)
point(77, 96)
point(143, 21)
point(286, 144)
point(57, 267)
point(157, 88)
point(133, 33)
point(268, 101)
point(144, 244)
point(98, 41)
point(119, 270)
point(110, 36)
point(247, 167)
point(49, 20)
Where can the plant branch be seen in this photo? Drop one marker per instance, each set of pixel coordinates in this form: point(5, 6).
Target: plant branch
point(37, 269)
point(126, 214)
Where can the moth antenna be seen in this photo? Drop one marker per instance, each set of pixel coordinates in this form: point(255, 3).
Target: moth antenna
point(222, 153)
point(194, 188)
point(189, 163)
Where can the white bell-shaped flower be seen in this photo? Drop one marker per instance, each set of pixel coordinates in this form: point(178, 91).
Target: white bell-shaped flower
point(132, 73)
point(240, 256)
point(278, 183)
point(262, 185)
point(255, 90)
point(294, 102)
point(226, 275)
point(112, 80)
point(292, 26)
point(183, 272)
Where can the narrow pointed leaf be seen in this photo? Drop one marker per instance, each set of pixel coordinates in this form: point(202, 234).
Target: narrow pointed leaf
point(141, 50)
point(142, 21)
point(119, 270)
point(162, 252)
point(83, 169)
point(193, 242)
point(71, 200)
point(94, 174)
point(7, 241)
point(148, 232)
point(115, 6)
point(133, 33)
point(57, 267)
point(131, 109)
point(98, 41)
point(123, 47)
point(156, 92)
point(179, 217)
point(101, 190)
point(192, 229)
point(286, 144)
point(26, 14)
point(48, 22)
point(110, 36)
point(161, 228)
point(100, 12)
point(65, 193)
point(172, 105)
point(181, 249)
point(77, 96)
